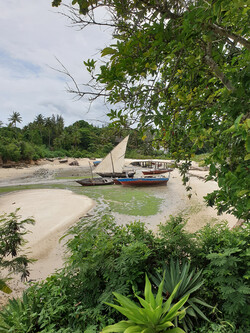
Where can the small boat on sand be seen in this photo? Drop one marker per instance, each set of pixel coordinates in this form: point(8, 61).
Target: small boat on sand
point(95, 181)
point(156, 171)
point(144, 181)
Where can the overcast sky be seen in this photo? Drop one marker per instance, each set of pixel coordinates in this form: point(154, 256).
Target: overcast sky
point(32, 35)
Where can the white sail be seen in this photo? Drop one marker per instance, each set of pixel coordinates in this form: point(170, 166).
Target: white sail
point(114, 161)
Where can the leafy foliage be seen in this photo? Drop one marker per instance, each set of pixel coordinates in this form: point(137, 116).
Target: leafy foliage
point(180, 69)
point(154, 315)
point(12, 231)
point(47, 137)
point(189, 284)
point(105, 257)
point(225, 255)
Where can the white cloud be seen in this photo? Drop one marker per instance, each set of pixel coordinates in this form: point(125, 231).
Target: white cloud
point(33, 34)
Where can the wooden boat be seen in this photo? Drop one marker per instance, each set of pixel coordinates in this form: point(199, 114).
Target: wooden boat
point(112, 165)
point(95, 181)
point(156, 171)
point(95, 163)
point(144, 181)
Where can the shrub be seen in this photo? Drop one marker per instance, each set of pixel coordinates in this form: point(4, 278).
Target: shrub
point(105, 257)
point(190, 283)
point(12, 231)
point(179, 243)
point(27, 151)
point(11, 151)
point(154, 315)
point(224, 254)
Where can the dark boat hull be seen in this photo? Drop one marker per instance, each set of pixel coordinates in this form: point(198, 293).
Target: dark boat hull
point(117, 175)
point(143, 181)
point(95, 181)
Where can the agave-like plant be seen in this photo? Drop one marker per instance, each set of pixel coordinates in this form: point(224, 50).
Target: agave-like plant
point(189, 283)
point(154, 315)
point(18, 316)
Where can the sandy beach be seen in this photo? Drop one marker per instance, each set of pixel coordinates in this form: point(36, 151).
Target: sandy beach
point(55, 210)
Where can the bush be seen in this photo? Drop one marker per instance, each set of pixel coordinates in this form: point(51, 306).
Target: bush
point(224, 254)
point(11, 152)
point(27, 151)
point(12, 231)
point(153, 315)
point(105, 257)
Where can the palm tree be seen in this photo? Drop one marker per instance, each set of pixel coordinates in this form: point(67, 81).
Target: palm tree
point(15, 118)
point(39, 120)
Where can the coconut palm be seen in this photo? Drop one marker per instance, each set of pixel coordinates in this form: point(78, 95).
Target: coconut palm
point(15, 118)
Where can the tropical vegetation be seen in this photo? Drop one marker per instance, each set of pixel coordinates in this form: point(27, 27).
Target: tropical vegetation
point(177, 72)
point(49, 137)
point(12, 231)
point(181, 70)
point(106, 260)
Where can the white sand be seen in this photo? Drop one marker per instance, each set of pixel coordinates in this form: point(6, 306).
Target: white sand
point(53, 210)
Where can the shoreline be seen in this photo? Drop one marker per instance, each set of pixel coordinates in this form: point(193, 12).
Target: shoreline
point(71, 207)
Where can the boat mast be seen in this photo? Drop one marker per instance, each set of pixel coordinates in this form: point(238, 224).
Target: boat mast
point(112, 164)
point(92, 179)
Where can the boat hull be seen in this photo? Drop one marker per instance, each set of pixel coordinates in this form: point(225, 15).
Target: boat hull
point(142, 181)
point(156, 171)
point(95, 181)
point(116, 174)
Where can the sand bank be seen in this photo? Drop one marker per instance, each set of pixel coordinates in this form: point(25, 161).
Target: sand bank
point(54, 211)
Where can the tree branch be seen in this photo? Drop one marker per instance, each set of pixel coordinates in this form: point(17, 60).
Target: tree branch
point(215, 68)
point(225, 33)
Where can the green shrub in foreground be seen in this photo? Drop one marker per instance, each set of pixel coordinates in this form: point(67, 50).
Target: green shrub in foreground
point(12, 232)
point(225, 257)
point(190, 282)
point(154, 315)
point(106, 258)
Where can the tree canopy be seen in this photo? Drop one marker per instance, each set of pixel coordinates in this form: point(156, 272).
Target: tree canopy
point(181, 68)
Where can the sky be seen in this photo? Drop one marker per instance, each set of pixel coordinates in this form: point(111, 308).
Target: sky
point(33, 34)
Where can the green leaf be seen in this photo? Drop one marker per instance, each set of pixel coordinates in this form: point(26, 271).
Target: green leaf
point(108, 50)
point(167, 304)
point(172, 312)
point(119, 327)
point(165, 325)
point(247, 157)
point(149, 297)
point(237, 121)
point(4, 287)
point(247, 145)
point(131, 315)
point(133, 329)
point(159, 298)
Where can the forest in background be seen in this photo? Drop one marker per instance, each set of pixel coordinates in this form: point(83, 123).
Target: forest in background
point(49, 137)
